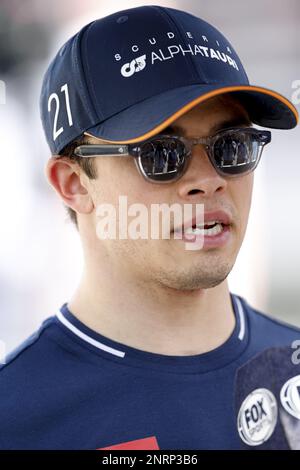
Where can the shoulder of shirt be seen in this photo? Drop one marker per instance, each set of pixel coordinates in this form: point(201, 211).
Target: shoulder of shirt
point(27, 343)
point(257, 317)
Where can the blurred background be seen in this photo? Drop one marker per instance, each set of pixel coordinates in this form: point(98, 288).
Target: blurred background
point(40, 250)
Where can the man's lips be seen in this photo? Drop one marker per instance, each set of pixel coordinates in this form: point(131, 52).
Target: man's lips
point(218, 216)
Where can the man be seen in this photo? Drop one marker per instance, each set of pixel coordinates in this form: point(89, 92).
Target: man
point(152, 351)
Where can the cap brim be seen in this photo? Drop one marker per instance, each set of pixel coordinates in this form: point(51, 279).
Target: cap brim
point(265, 107)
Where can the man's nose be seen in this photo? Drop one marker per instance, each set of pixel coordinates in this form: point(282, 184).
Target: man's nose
point(200, 176)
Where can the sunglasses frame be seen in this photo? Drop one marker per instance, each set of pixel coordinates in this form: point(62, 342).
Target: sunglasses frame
point(134, 150)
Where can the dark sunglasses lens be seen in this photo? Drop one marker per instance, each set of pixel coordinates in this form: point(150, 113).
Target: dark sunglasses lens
point(163, 159)
point(238, 153)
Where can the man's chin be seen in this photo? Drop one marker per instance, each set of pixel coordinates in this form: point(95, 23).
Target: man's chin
point(195, 280)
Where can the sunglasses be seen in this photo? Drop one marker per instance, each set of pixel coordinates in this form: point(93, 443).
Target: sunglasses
point(164, 158)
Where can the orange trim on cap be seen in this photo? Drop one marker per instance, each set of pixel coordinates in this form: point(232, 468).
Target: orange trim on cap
point(198, 100)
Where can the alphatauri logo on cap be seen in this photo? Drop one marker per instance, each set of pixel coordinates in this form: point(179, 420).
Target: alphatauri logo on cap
point(257, 417)
point(290, 396)
point(209, 50)
point(135, 65)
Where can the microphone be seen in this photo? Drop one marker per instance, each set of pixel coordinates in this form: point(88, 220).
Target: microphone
point(267, 400)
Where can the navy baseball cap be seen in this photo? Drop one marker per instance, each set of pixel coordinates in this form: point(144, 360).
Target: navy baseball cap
point(125, 77)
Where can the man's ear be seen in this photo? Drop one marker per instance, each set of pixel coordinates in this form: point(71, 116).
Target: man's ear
point(65, 177)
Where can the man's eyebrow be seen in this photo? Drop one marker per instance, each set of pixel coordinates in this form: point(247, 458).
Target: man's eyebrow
point(231, 122)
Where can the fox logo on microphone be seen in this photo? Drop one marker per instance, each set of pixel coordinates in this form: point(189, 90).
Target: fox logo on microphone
point(257, 417)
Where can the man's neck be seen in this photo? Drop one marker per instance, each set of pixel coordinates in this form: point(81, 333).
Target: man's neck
point(155, 318)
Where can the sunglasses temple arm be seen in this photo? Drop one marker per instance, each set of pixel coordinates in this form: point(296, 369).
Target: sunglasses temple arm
point(101, 150)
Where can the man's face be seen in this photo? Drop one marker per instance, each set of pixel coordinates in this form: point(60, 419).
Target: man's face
point(167, 261)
